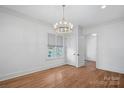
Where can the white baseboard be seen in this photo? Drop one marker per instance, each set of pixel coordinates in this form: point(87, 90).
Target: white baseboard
point(17, 74)
point(93, 59)
point(81, 63)
point(112, 69)
point(71, 64)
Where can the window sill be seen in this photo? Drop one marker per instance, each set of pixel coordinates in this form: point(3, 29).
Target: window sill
point(55, 58)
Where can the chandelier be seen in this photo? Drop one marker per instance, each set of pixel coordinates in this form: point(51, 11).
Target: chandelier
point(63, 26)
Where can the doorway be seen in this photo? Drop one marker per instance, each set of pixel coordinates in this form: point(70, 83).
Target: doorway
point(91, 47)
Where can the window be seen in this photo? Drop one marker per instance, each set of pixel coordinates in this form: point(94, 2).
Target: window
point(55, 46)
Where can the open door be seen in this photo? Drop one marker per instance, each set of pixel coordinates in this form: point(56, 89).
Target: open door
point(81, 50)
point(75, 48)
point(71, 51)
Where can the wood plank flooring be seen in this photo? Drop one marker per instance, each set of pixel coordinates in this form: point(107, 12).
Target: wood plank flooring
point(68, 77)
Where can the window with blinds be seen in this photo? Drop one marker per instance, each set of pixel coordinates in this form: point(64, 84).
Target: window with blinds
point(55, 46)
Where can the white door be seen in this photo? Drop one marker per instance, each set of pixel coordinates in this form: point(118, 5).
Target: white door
point(71, 51)
point(75, 49)
point(81, 50)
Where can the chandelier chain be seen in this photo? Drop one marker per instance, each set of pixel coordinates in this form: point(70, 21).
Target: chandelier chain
point(63, 11)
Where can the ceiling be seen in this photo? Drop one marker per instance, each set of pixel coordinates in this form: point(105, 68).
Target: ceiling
point(84, 15)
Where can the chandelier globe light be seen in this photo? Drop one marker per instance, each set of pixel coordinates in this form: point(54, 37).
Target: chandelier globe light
point(63, 26)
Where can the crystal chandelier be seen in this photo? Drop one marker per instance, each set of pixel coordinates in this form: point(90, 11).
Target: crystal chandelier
point(63, 26)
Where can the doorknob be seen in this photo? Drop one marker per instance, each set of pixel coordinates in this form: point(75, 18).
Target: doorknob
point(78, 55)
point(74, 54)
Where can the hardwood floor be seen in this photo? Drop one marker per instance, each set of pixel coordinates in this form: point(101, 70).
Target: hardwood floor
point(68, 77)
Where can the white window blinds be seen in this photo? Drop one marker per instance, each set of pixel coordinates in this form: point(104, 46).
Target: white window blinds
point(59, 41)
point(54, 40)
point(51, 40)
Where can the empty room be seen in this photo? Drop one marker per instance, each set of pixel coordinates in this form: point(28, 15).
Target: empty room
point(61, 46)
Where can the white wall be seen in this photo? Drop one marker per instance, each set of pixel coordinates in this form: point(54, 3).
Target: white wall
point(91, 47)
point(110, 55)
point(23, 46)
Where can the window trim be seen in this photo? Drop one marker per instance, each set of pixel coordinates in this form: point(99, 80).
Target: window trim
point(54, 58)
